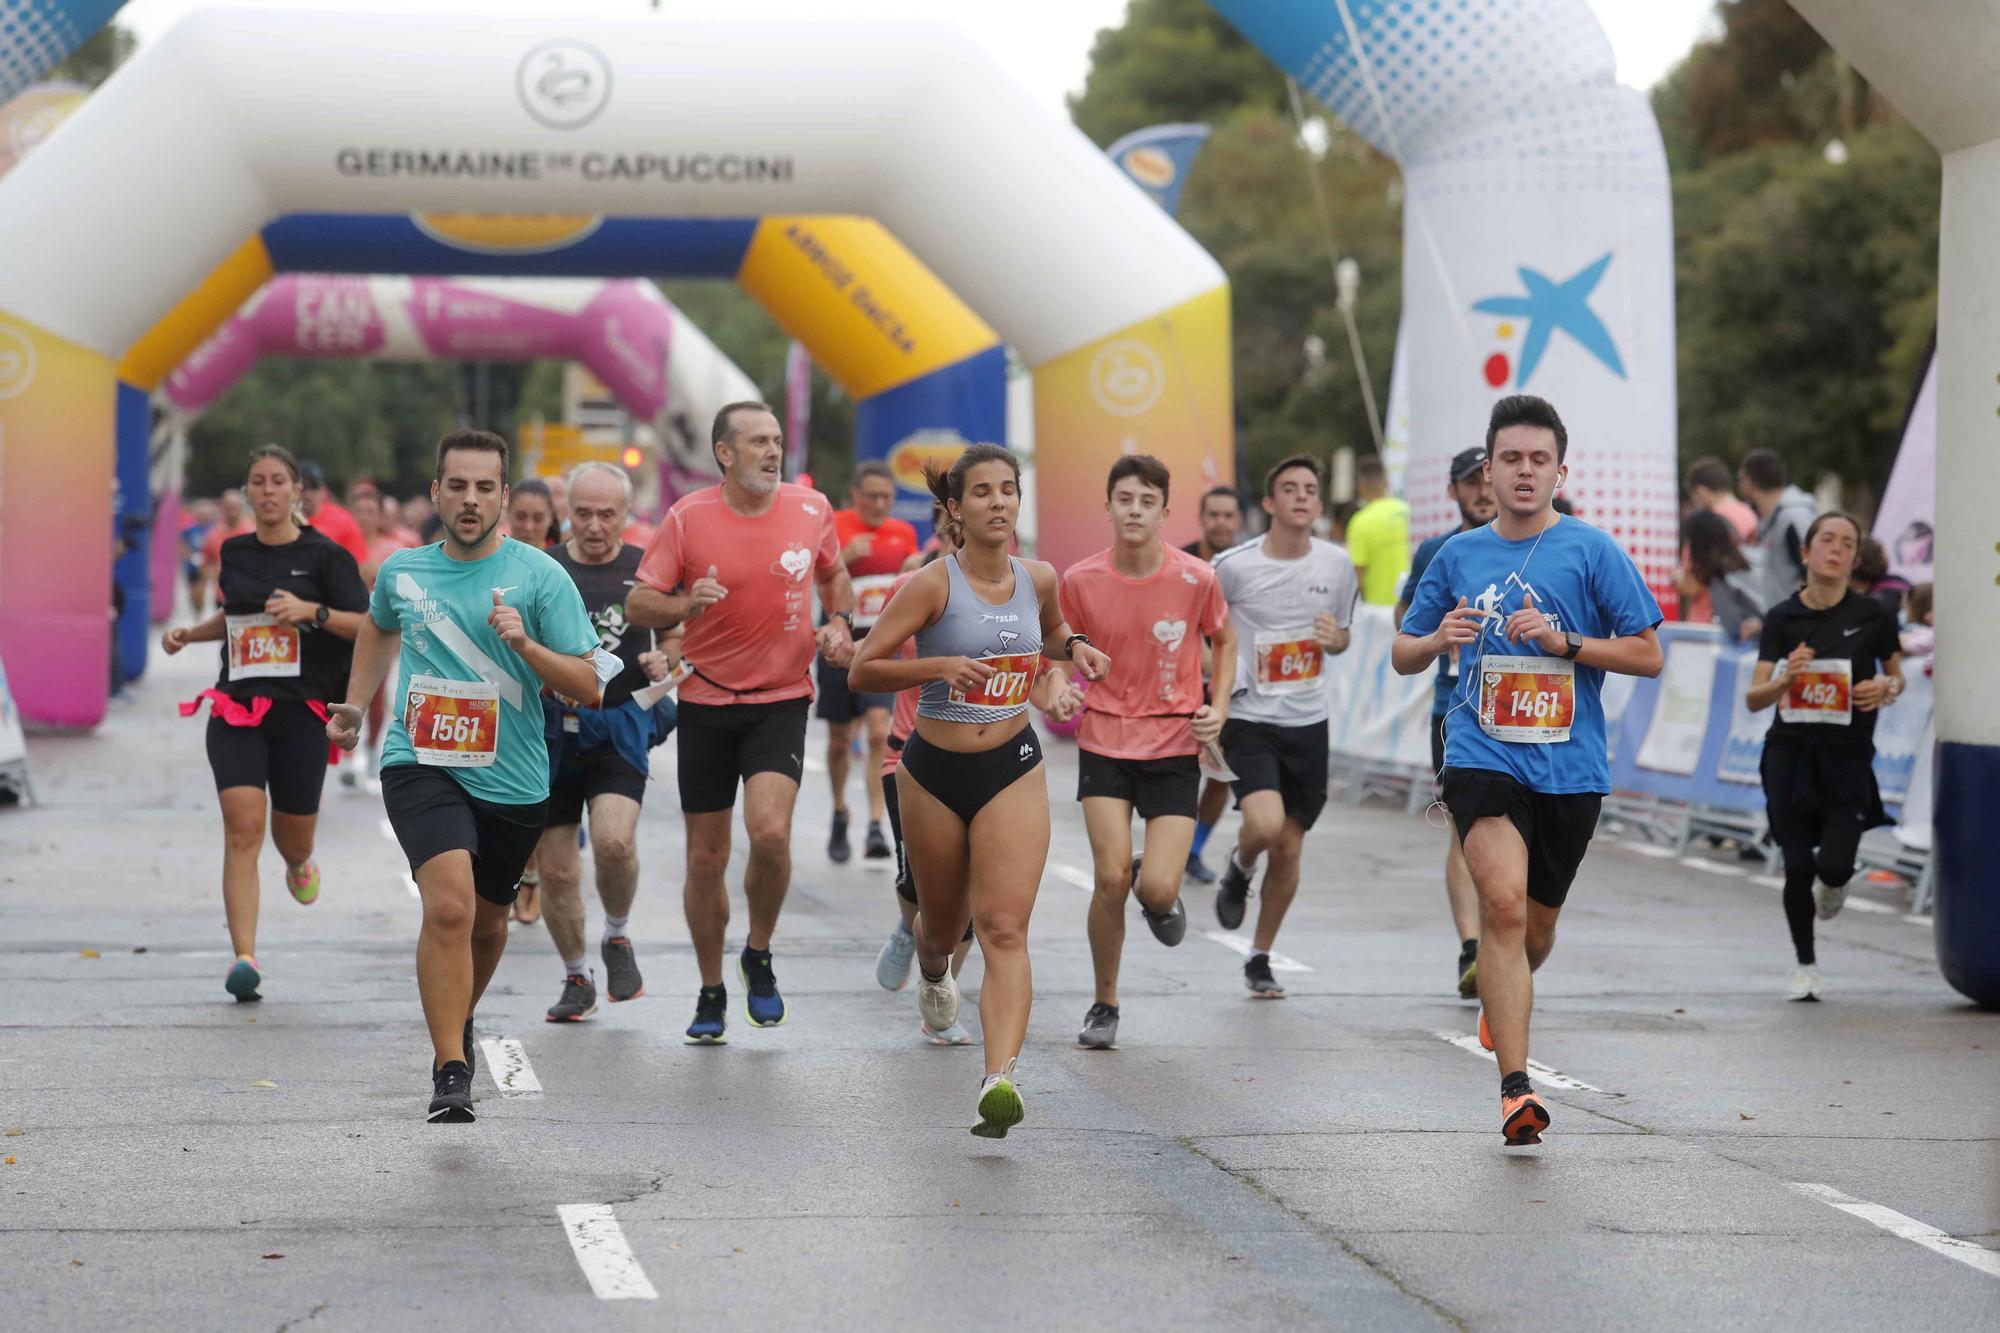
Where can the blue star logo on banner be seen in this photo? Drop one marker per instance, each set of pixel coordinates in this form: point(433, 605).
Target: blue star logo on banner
point(1548, 306)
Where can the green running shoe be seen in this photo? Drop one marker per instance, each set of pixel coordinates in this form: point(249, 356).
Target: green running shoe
point(999, 1105)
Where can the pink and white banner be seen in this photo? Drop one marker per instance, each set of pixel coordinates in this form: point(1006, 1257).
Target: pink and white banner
point(1906, 522)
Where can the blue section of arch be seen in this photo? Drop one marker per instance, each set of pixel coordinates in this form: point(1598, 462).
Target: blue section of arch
point(614, 248)
point(131, 570)
point(1966, 916)
point(968, 397)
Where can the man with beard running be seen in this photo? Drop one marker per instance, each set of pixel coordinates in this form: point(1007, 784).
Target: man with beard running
point(599, 756)
point(736, 564)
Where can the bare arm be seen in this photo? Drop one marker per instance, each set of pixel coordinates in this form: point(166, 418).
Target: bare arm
point(1411, 653)
point(206, 631)
point(1090, 661)
point(1629, 655)
point(835, 638)
point(374, 647)
point(876, 668)
point(647, 606)
point(571, 677)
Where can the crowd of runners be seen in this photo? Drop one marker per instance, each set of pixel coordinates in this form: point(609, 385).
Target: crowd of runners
point(541, 655)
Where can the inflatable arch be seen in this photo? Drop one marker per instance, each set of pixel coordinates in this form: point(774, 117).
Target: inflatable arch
point(1537, 236)
point(634, 135)
point(38, 35)
point(1935, 60)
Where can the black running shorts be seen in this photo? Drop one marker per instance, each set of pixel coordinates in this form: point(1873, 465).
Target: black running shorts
point(723, 744)
point(582, 774)
point(1557, 829)
point(433, 814)
point(837, 703)
point(286, 753)
point(1288, 760)
point(1154, 787)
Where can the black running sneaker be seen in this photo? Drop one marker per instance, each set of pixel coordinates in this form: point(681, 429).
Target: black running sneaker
point(1257, 976)
point(578, 1002)
point(621, 971)
point(1468, 969)
point(1168, 927)
point(711, 1009)
point(762, 1004)
point(471, 1048)
point(451, 1094)
point(1234, 894)
point(837, 848)
point(878, 846)
point(1100, 1028)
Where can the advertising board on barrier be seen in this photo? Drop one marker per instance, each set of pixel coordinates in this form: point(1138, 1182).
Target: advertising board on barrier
point(1900, 730)
point(1743, 744)
point(1680, 717)
point(1376, 715)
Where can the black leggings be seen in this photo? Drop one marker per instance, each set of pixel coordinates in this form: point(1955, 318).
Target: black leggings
point(966, 782)
point(1819, 800)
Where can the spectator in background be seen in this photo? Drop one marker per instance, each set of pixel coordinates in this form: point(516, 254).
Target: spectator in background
point(392, 522)
point(330, 518)
point(421, 516)
point(1918, 640)
point(1378, 536)
point(1784, 512)
point(531, 514)
point(1709, 487)
point(1221, 523)
point(1717, 571)
point(559, 498)
point(201, 516)
point(1335, 522)
point(1871, 576)
point(232, 522)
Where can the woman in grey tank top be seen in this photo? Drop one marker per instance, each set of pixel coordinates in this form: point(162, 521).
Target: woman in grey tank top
point(975, 802)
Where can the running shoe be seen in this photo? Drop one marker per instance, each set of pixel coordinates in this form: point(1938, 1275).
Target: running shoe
point(1522, 1119)
point(762, 1005)
point(1829, 900)
point(304, 883)
point(999, 1105)
point(892, 965)
point(937, 1000)
point(1198, 871)
point(578, 1002)
point(1257, 976)
point(1234, 894)
point(243, 980)
point(837, 848)
point(471, 1045)
point(1468, 969)
point(1100, 1028)
point(1805, 983)
point(1169, 927)
point(1485, 1033)
point(451, 1094)
point(621, 970)
point(710, 1017)
point(955, 1035)
point(878, 848)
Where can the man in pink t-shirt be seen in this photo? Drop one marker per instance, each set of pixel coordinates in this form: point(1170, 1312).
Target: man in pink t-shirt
point(735, 565)
point(1148, 605)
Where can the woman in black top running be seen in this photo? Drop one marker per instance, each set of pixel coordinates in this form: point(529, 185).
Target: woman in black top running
point(1830, 658)
point(292, 602)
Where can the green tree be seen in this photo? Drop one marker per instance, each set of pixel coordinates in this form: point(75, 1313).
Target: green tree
point(95, 61)
point(1171, 60)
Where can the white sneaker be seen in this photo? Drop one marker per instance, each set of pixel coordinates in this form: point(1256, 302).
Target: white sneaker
point(1805, 983)
point(937, 1000)
point(955, 1035)
point(1829, 900)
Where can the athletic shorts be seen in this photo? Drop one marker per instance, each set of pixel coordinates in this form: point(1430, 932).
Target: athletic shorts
point(1155, 787)
point(582, 774)
point(723, 744)
point(432, 813)
point(965, 782)
point(1437, 744)
point(1288, 760)
point(285, 753)
point(837, 703)
point(1557, 829)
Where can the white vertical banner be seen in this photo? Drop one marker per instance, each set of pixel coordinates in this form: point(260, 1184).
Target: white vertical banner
point(1680, 716)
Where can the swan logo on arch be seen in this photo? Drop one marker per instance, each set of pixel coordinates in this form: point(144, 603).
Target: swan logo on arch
point(17, 361)
point(564, 84)
point(1126, 378)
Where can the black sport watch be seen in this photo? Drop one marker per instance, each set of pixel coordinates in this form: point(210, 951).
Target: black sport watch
point(1575, 646)
point(320, 616)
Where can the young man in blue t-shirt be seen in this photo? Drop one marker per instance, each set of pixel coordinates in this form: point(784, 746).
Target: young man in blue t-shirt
point(484, 624)
point(1537, 607)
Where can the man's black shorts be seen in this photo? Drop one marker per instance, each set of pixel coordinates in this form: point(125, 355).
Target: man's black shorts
point(839, 704)
point(581, 774)
point(1288, 760)
point(723, 744)
point(1557, 829)
point(433, 814)
point(1155, 787)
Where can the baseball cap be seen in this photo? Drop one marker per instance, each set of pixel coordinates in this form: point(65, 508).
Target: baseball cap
point(1467, 463)
point(310, 475)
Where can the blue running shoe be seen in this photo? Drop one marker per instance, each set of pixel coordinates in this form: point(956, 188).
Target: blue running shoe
point(709, 1020)
point(243, 980)
point(762, 1005)
point(892, 965)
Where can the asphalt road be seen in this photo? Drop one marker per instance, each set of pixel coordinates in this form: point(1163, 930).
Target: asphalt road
point(1719, 1157)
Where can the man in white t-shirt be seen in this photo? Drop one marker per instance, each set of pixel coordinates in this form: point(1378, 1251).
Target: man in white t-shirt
point(1291, 598)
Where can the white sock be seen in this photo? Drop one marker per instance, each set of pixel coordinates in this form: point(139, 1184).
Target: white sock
point(1241, 864)
point(614, 927)
point(573, 967)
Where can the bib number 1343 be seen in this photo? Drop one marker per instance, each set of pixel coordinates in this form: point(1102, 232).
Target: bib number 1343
point(453, 723)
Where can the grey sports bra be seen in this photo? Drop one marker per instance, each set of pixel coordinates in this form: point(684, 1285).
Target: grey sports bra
point(1009, 635)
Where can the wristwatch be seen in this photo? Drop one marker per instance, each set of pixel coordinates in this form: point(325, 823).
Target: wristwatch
point(848, 616)
point(319, 616)
point(1072, 641)
point(1575, 646)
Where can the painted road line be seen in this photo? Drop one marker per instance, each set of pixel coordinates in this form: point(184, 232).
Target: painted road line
point(1465, 1041)
point(1769, 881)
point(1872, 908)
point(1908, 1228)
point(388, 831)
point(603, 1255)
point(1648, 849)
point(1070, 875)
point(1711, 867)
point(508, 1063)
point(814, 764)
point(1242, 944)
point(1915, 920)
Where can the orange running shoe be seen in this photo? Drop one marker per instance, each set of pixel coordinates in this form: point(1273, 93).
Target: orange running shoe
point(1485, 1033)
point(1522, 1119)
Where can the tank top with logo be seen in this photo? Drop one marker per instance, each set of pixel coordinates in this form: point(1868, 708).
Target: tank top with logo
point(1007, 637)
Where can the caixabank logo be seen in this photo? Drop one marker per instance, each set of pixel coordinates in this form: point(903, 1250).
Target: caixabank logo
point(563, 83)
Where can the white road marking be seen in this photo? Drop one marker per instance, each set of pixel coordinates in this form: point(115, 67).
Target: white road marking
point(1915, 920)
point(814, 764)
point(1712, 867)
point(1081, 879)
point(1648, 849)
point(1908, 1228)
point(1769, 881)
point(410, 884)
point(508, 1063)
point(1465, 1041)
point(1241, 944)
point(603, 1255)
point(409, 880)
point(1873, 908)
point(388, 829)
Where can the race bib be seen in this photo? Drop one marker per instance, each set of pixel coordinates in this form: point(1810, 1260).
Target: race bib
point(1820, 692)
point(1527, 700)
point(871, 597)
point(1288, 661)
point(1009, 684)
point(453, 723)
point(261, 646)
